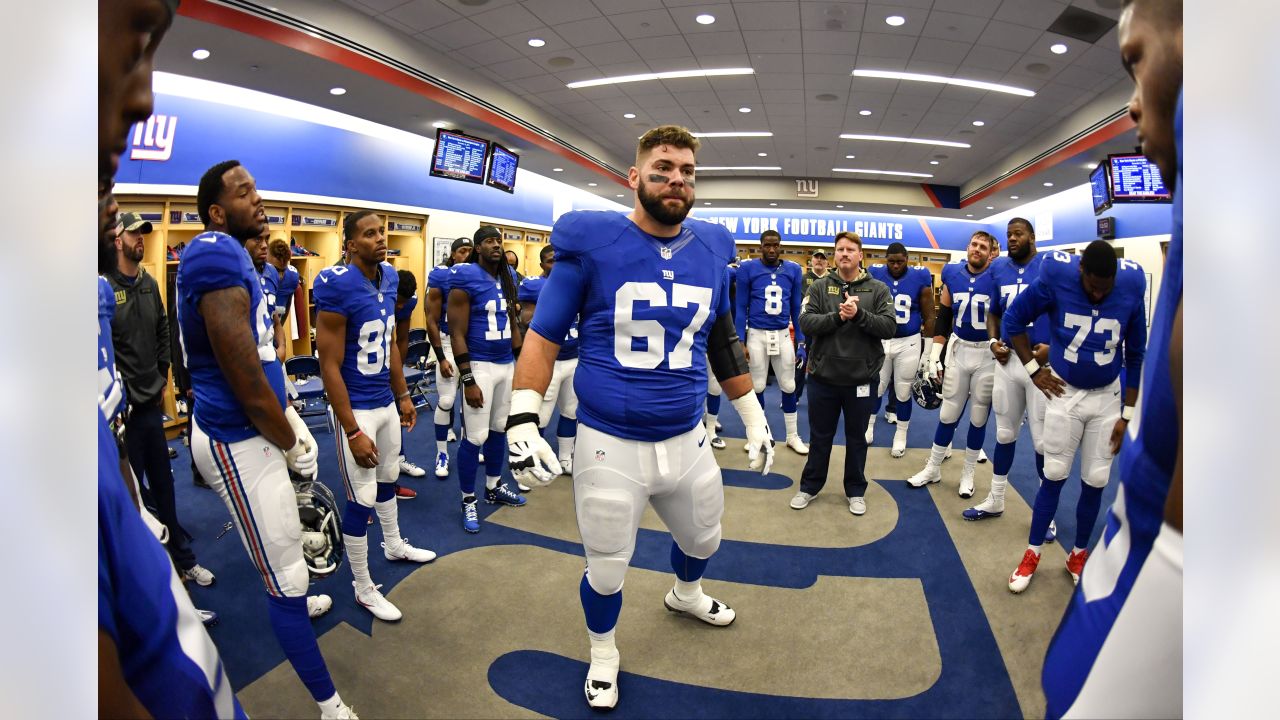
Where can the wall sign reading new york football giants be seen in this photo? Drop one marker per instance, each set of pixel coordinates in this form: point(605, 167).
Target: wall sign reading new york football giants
point(821, 227)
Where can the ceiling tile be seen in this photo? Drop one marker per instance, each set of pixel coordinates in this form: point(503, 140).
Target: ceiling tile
point(886, 46)
point(768, 16)
point(663, 63)
point(507, 20)
point(610, 52)
point(832, 16)
point(942, 51)
point(617, 7)
point(423, 14)
point(980, 8)
point(664, 46)
point(829, 64)
point(459, 33)
point(520, 41)
point(953, 26)
point(473, 9)
point(830, 41)
point(1038, 14)
point(718, 43)
point(379, 6)
point(488, 53)
point(647, 23)
point(516, 69)
point(765, 42)
point(726, 18)
point(990, 58)
point(778, 63)
point(555, 12)
point(1007, 36)
point(593, 30)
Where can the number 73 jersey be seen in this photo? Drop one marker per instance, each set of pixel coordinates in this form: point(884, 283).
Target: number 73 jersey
point(371, 329)
point(646, 306)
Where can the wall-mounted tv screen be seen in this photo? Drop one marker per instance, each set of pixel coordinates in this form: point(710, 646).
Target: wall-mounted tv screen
point(1098, 184)
point(1134, 178)
point(459, 157)
point(502, 169)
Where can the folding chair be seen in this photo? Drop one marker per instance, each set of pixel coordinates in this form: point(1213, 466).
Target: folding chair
point(305, 372)
point(417, 335)
point(419, 371)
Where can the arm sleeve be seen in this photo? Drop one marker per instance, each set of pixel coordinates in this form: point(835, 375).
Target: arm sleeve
point(741, 299)
point(815, 321)
point(1135, 341)
point(879, 321)
point(797, 299)
point(564, 292)
point(1029, 304)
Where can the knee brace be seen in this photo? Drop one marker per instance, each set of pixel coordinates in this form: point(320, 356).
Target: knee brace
point(979, 413)
point(950, 411)
point(606, 520)
point(1095, 472)
point(1056, 467)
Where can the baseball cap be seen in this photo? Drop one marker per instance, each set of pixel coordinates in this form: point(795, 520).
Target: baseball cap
point(133, 222)
point(485, 232)
point(460, 242)
point(819, 253)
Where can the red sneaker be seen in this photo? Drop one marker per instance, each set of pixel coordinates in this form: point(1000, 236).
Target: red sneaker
point(1075, 564)
point(1021, 577)
point(404, 493)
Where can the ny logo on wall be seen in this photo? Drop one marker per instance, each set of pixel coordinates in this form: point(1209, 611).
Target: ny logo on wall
point(153, 139)
point(807, 188)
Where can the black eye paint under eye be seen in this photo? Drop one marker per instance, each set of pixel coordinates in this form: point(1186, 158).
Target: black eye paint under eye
point(656, 178)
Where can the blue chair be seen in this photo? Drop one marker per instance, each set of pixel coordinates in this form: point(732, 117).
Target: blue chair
point(417, 335)
point(419, 372)
point(305, 373)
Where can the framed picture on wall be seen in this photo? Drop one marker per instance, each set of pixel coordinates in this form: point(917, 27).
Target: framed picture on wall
point(440, 250)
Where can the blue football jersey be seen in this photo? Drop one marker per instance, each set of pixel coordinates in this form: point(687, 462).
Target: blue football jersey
point(1145, 468)
point(215, 261)
point(111, 392)
point(288, 285)
point(645, 307)
point(768, 298)
point(371, 329)
point(971, 299)
point(489, 328)
point(270, 278)
point(905, 292)
point(1011, 279)
point(166, 655)
point(439, 278)
point(530, 289)
point(1085, 337)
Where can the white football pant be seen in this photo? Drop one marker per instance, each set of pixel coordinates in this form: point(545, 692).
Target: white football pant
point(1013, 396)
point(969, 375)
point(759, 342)
point(1081, 419)
point(901, 360)
point(446, 388)
point(494, 380)
point(560, 393)
point(382, 425)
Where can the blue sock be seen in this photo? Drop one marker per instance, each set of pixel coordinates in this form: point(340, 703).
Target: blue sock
point(567, 427)
point(293, 631)
point(687, 569)
point(1003, 460)
point(713, 404)
point(601, 610)
point(355, 518)
point(442, 432)
point(1087, 513)
point(1040, 468)
point(760, 398)
point(468, 463)
point(1045, 508)
point(788, 402)
point(386, 491)
point(904, 410)
point(495, 453)
point(977, 435)
point(945, 432)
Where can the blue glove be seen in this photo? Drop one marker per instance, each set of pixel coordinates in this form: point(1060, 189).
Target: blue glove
point(801, 355)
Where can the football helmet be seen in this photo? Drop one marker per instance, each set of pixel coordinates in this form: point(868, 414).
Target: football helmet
point(322, 545)
point(927, 390)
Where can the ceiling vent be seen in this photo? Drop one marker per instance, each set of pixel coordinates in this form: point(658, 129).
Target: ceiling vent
point(1081, 24)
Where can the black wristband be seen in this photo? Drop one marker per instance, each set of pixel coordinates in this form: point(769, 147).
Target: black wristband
point(439, 351)
point(521, 418)
point(462, 359)
point(468, 380)
point(353, 433)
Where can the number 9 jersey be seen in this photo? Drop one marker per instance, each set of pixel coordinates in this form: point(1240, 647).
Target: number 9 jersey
point(646, 306)
point(371, 329)
point(905, 292)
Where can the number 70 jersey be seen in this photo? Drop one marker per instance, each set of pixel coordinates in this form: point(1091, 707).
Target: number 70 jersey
point(646, 307)
point(971, 298)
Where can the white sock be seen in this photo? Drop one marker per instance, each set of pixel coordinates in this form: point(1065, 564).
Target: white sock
point(491, 482)
point(565, 444)
point(998, 484)
point(710, 421)
point(937, 454)
point(604, 652)
point(442, 446)
point(358, 558)
point(388, 517)
point(871, 422)
point(971, 458)
point(903, 425)
point(603, 641)
point(330, 706)
point(792, 423)
point(1035, 549)
point(688, 590)
point(468, 497)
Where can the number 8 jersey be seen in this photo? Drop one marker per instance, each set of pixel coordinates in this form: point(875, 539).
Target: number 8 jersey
point(646, 307)
point(371, 329)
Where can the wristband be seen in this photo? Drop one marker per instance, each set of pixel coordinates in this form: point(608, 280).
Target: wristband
point(468, 380)
point(460, 358)
point(355, 434)
point(403, 395)
point(1033, 366)
point(1126, 413)
point(439, 351)
point(993, 341)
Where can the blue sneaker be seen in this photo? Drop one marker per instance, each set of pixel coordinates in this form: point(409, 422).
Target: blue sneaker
point(470, 520)
point(442, 465)
point(1052, 533)
point(989, 508)
point(503, 495)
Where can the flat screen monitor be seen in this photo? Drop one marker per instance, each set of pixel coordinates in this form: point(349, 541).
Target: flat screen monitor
point(1101, 191)
point(502, 169)
point(1134, 178)
point(459, 157)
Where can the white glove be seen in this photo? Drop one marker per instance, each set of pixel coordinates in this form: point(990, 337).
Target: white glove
point(926, 358)
point(935, 360)
point(759, 439)
point(527, 450)
point(301, 458)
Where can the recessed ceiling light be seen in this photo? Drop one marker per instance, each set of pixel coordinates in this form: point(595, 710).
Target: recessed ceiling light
point(671, 75)
point(881, 172)
point(618, 195)
point(933, 162)
point(978, 123)
point(591, 184)
point(744, 109)
point(1048, 184)
point(440, 124)
point(991, 207)
point(762, 154)
point(629, 116)
point(904, 209)
point(731, 134)
point(1057, 48)
point(705, 19)
point(1091, 166)
point(200, 54)
point(918, 77)
point(706, 203)
point(891, 138)
point(1013, 197)
point(969, 215)
point(850, 157)
point(773, 204)
point(864, 113)
point(895, 20)
point(839, 206)
point(537, 42)
point(702, 168)
point(337, 91)
point(557, 169)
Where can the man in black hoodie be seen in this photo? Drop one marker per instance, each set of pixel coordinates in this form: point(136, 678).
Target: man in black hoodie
point(847, 314)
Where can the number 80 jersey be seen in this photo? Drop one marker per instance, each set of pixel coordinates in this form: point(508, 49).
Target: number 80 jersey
point(371, 329)
point(646, 306)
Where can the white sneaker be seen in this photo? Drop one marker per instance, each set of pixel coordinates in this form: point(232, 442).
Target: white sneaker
point(200, 575)
point(947, 455)
point(891, 417)
point(857, 506)
point(982, 455)
point(795, 443)
point(318, 605)
point(208, 617)
point(408, 468)
point(453, 437)
point(480, 459)
point(746, 447)
point(801, 500)
point(566, 465)
point(522, 487)
point(345, 712)
point(601, 687)
point(408, 552)
point(899, 442)
point(706, 608)
point(374, 602)
point(871, 430)
point(930, 474)
point(989, 508)
point(717, 443)
point(442, 465)
point(966, 482)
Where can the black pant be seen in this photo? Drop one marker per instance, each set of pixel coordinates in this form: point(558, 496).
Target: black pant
point(826, 402)
point(149, 458)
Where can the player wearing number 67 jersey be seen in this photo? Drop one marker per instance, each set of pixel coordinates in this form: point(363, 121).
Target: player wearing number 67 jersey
point(364, 379)
point(912, 291)
point(967, 295)
point(1095, 305)
point(768, 301)
point(651, 293)
point(482, 322)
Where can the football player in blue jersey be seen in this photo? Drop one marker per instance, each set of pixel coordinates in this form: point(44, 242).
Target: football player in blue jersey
point(1118, 651)
point(560, 392)
point(442, 346)
point(712, 417)
point(406, 303)
point(768, 299)
point(368, 399)
point(1014, 395)
point(485, 332)
point(1096, 310)
point(650, 292)
point(241, 426)
point(969, 370)
point(912, 291)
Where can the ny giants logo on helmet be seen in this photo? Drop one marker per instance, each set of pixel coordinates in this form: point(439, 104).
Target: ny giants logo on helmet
point(927, 391)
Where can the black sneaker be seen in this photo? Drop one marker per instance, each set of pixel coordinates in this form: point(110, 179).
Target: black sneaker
point(503, 495)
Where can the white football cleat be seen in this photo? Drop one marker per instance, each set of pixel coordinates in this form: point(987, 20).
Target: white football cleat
point(795, 443)
point(947, 456)
point(442, 465)
point(408, 552)
point(982, 455)
point(930, 474)
point(344, 712)
point(899, 442)
point(566, 465)
point(966, 482)
point(1021, 577)
point(718, 443)
point(601, 687)
point(318, 605)
point(408, 468)
point(453, 437)
point(374, 601)
point(891, 417)
point(706, 608)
